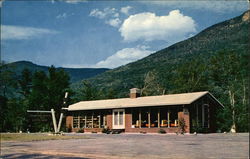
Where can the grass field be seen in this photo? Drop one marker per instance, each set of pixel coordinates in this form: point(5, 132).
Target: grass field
point(36, 137)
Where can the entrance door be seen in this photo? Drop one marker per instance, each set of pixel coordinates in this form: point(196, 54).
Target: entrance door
point(118, 119)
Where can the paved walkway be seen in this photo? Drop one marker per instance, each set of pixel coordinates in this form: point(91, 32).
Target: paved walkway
point(144, 146)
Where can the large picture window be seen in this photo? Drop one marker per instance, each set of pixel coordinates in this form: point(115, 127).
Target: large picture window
point(135, 118)
point(155, 117)
point(90, 120)
point(144, 117)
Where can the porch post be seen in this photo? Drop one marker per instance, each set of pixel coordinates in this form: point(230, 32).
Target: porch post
point(203, 115)
point(168, 119)
point(85, 121)
point(92, 120)
point(208, 109)
point(104, 121)
point(149, 123)
point(159, 118)
point(197, 113)
point(100, 121)
point(139, 118)
point(78, 122)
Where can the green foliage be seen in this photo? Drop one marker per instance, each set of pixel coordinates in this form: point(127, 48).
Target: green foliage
point(106, 130)
point(191, 76)
point(7, 81)
point(152, 84)
point(25, 82)
point(80, 131)
point(87, 92)
point(36, 92)
point(197, 127)
point(182, 125)
point(14, 116)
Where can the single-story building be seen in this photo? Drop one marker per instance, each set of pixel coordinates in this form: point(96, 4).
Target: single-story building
point(145, 114)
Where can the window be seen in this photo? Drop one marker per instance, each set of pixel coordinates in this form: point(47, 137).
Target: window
point(96, 121)
point(144, 117)
point(120, 118)
point(115, 118)
point(163, 117)
point(154, 117)
point(173, 116)
point(205, 113)
point(75, 122)
point(82, 121)
point(135, 118)
point(89, 121)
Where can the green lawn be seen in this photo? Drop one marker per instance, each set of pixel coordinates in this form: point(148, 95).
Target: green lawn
point(36, 137)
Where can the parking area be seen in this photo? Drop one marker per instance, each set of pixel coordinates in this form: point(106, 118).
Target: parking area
point(235, 146)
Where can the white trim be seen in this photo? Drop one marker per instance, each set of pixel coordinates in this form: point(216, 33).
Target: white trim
point(119, 126)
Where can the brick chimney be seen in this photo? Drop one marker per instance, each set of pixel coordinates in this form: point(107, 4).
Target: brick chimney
point(134, 92)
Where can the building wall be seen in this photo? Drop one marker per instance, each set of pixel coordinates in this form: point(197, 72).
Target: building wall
point(128, 124)
point(109, 121)
point(69, 123)
point(213, 105)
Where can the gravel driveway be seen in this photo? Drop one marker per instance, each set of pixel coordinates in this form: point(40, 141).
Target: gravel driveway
point(201, 146)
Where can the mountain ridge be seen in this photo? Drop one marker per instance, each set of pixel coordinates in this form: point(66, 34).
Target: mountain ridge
point(76, 74)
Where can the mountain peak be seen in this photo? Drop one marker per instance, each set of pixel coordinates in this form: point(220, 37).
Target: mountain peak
point(245, 16)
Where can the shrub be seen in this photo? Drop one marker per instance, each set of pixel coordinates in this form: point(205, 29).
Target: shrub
point(80, 131)
point(182, 125)
point(162, 131)
point(106, 130)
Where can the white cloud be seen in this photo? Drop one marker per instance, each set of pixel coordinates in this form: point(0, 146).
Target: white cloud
point(10, 32)
point(107, 12)
point(216, 6)
point(125, 56)
point(147, 26)
point(75, 1)
point(125, 10)
point(62, 16)
point(69, 1)
point(114, 22)
point(97, 13)
point(110, 16)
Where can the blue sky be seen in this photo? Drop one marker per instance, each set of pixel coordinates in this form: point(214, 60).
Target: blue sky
point(103, 33)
